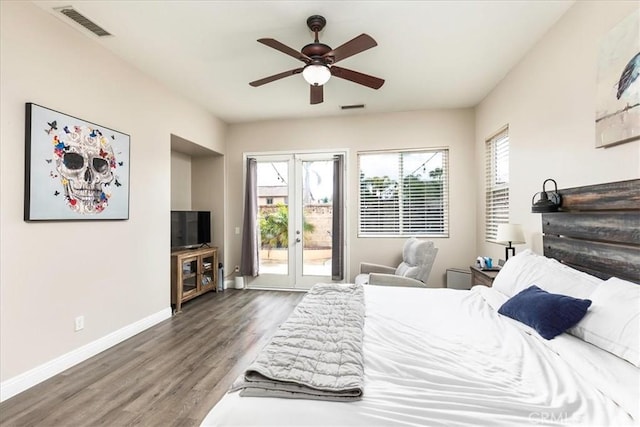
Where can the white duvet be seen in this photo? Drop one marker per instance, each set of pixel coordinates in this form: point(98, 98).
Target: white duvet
point(444, 357)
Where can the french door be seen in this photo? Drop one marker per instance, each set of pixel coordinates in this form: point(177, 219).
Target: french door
point(295, 214)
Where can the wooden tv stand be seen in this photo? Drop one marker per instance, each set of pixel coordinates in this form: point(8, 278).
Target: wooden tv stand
point(193, 272)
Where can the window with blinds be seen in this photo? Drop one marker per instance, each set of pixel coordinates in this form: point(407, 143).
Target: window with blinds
point(404, 193)
point(497, 183)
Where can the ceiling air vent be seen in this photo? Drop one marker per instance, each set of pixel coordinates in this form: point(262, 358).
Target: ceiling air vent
point(82, 20)
point(351, 107)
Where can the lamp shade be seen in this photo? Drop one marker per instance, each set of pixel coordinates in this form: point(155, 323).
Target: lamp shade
point(510, 233)
point(316, 75)
point(547, 202)
point(544, 205)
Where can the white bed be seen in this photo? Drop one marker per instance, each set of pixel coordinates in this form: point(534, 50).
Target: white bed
point(446, 357)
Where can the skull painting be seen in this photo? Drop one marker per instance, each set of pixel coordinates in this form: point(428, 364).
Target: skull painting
point(85, 162)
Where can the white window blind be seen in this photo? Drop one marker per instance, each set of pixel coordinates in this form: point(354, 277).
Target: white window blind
point(404, 193)
point(497, 183)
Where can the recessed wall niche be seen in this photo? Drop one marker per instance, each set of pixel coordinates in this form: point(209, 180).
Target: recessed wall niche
point(197, 183)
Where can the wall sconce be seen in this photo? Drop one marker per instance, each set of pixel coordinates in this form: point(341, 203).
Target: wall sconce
point(510, 233)
point(547, 202)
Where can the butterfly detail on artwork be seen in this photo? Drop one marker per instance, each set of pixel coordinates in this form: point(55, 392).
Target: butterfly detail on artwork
point(118, 183)
point(56, 193)
point(120, 163)
point(103, 153)
point(66, 129)
point(52, 126)
point(48, 160)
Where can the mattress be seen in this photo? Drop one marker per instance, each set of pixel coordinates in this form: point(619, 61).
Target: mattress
point(445, 357)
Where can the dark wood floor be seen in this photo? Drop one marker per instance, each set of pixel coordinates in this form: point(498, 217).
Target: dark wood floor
point(169, 375)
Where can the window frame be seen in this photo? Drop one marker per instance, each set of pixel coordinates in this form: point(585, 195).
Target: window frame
point(497, 189)
point(403, 228)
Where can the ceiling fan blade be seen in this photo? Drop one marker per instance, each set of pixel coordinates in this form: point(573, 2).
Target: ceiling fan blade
point(350, 48)
point(356, 77)
point(317, 94)
point(275, 77)
point(285, 49)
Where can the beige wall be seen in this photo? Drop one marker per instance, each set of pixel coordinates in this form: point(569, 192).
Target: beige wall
point(548, 100)
point(114, 273)
point(207, 193)
point(180, 181)
point(443, 128)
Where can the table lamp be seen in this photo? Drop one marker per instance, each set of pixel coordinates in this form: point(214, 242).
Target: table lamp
point(510, 234)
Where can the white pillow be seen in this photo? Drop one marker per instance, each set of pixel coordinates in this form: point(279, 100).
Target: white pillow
point(613, 320)
point(527, 268)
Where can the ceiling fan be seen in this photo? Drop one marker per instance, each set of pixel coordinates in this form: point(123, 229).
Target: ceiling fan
point(320, 59)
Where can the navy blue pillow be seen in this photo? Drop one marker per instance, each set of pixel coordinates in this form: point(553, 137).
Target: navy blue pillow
point(549, 314)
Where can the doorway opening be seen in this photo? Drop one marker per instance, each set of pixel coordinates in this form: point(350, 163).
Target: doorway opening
point(295, 217)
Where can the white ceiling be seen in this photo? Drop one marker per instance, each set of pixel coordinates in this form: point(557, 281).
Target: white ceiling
point(432, 54)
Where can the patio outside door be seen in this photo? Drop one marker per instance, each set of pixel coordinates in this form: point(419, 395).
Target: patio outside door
point(295, 211)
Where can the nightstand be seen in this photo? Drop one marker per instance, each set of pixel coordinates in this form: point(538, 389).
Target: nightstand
point(482, 277)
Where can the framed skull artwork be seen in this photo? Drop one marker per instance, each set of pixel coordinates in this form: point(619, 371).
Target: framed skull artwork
point(74, 169)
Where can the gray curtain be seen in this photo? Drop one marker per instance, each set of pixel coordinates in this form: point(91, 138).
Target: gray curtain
point(337, 229)
point(249, 260)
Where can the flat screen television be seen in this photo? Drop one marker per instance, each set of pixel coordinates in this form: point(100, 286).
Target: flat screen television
point(190, 228)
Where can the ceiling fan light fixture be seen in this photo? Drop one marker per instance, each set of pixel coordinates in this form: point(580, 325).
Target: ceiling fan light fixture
point(316, 74)
point(320, 60)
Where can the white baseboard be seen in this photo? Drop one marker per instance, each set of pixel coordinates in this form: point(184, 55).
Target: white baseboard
point(22, 382)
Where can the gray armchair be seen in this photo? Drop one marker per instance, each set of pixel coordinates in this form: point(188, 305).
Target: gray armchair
point(418, 257)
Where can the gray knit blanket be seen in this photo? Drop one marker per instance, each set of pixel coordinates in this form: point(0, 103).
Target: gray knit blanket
point(316, 353)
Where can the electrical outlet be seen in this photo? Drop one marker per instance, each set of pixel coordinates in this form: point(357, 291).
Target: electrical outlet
point(236, 269)
point(79, 323)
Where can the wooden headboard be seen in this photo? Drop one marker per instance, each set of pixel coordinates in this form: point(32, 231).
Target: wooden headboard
point(597, 230)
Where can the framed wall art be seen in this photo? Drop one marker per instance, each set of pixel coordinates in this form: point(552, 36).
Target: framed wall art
point(618, 85)
point(74, 169)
